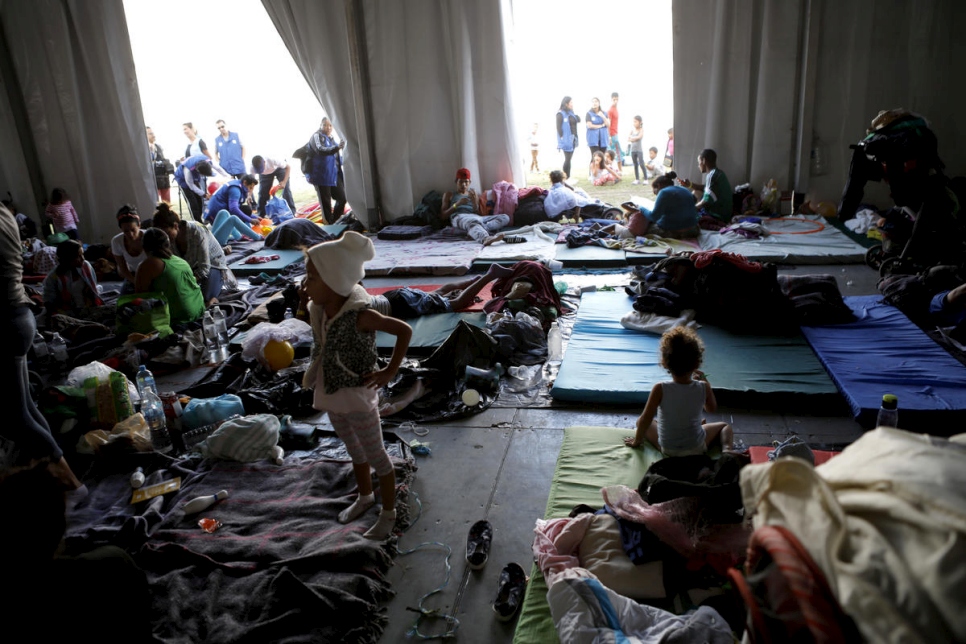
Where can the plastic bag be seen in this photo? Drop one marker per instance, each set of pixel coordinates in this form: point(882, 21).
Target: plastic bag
point(205, 411)
point(133, 427)
point(79, 375)
point(277, 209)
point(521, 339)
point(770, 197)
point(292, 330)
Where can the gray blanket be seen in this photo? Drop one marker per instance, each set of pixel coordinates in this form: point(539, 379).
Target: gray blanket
point(280, 568)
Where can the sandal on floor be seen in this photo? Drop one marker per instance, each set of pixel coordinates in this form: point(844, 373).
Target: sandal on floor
point(514, 239)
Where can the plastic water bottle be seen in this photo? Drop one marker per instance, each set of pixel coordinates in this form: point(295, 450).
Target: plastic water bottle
point(41, 352)
point(221, 327)
point(153, 413)
point(211, 336)
point(145, 382)
point(888, 412)
point(58, 349)
point(554, 344)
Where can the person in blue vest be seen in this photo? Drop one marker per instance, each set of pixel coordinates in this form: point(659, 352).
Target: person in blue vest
point(229, 151)
point(597, 128)
point(322, 165)
point(228, 219)
point(567, 140)
point(190, 177)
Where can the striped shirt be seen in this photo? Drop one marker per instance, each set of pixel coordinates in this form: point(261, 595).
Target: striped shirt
point(63, 216)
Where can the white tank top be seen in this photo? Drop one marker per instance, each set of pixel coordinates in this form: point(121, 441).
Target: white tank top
point(679, 429)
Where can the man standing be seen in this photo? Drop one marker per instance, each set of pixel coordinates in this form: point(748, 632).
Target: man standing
point(229, 151)
point(162, 168)
point(615, 143)
point(269, 170)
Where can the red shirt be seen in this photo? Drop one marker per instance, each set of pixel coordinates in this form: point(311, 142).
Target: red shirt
point(612, 115)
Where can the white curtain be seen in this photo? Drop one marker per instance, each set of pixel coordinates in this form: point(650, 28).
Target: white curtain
point(764, 82)
point(438, 92)
point(73, 67)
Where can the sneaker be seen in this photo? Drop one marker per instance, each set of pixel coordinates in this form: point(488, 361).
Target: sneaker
point(478, 544)
point(635, 182)
point(513, 582)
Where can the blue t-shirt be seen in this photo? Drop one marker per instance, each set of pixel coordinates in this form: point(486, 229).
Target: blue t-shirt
point(673, 209)
point(230, 153)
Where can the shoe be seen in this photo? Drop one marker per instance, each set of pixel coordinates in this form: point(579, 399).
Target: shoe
point(478, 544)
point(513, 582)
point(635, 182)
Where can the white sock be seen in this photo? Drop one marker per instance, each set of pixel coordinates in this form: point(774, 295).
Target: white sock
point(358, 507)
point(383, 526)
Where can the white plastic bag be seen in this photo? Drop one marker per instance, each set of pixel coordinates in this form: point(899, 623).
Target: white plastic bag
point(102, 372)
point(291, 330)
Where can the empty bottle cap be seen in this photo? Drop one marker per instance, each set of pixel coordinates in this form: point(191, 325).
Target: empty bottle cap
point(890, 401)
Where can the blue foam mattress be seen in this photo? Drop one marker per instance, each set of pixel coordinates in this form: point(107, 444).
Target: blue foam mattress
point(885, 352)
point(606, 363)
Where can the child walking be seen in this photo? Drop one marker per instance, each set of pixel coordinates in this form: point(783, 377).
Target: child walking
point(61, 213)
point(344, 370)
point(678, 403)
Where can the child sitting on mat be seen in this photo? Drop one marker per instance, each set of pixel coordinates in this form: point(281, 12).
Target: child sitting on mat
point(678, 403)
point(344, 370)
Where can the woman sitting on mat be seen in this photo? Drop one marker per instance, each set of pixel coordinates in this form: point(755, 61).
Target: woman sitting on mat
point(195, 244)
point(674, 215)
point(71, 288)
point(461, 208)
point(679, 403)
point(226, 212)
point(128, 246)
point(166, 273)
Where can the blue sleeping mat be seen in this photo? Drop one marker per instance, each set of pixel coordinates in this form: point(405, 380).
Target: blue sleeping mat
point(884, 352)
point(606, 363)
point(430, 331)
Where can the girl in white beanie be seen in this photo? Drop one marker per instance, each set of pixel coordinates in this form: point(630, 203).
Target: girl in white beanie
point(344, 371)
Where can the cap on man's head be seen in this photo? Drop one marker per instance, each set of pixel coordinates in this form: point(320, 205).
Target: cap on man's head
point(463, 174)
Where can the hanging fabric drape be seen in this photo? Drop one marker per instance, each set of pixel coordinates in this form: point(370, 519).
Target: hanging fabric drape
point(761, 81)
point(439, 91)
point(734, 86)
point(72, 65)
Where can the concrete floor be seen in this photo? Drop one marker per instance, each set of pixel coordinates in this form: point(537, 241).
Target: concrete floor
point(497, 465)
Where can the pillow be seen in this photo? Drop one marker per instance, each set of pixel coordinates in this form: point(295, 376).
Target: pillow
point(601, 553)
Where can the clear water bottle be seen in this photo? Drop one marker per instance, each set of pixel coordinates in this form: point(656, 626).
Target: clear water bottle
point(554, 344)
point(58, 349)
point(153, 413)
point(221, 327)
point(41, 352)
point(211, 336)
point(888, 412)
point(145, 381)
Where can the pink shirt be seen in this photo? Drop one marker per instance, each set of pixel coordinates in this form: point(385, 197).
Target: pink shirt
point(63, 216)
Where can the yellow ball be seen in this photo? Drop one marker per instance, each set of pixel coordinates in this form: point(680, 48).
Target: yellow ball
point(826, 209)
point(277, 354)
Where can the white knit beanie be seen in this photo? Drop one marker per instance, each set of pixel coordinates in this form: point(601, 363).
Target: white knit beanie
point(340, 262)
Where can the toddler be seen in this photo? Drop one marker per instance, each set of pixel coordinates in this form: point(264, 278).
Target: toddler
point(61, 213)
point(344, 371)
point(678, 403)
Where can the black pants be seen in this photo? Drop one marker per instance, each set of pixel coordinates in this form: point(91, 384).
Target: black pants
point(326, 194)
point(566, 164)
point(265, 183)
point(638, 159)
point(195, 204)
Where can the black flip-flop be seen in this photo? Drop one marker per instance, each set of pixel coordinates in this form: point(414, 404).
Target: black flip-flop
point(514, 239)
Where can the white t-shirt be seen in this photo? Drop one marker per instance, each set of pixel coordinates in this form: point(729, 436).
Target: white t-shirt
point(559, 199)
point(132, 261)
point(271, 165)
point(679, 429)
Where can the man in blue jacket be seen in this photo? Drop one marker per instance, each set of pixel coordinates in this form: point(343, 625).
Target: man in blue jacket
point(229, 151)
point(190, 178)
